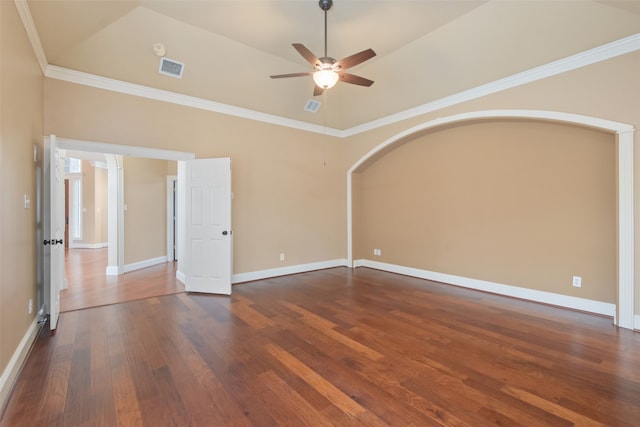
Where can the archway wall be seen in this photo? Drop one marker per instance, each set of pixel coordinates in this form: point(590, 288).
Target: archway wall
point(599, 92)
point(510, 201)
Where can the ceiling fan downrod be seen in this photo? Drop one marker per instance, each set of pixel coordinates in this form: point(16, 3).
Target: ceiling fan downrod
point(325, 5)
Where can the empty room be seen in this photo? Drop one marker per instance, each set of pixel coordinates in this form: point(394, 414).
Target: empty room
point(365, 213)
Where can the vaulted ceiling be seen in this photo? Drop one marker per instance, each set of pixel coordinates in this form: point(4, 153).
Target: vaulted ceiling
point(426, 50)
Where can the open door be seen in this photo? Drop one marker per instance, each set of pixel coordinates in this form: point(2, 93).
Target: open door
point(208, 249)
point(53, 193)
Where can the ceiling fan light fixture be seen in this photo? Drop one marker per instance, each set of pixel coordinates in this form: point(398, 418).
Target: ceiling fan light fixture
point(327, 70)
point(326, 79)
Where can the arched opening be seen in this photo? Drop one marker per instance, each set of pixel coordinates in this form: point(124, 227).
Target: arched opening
point(623, 310)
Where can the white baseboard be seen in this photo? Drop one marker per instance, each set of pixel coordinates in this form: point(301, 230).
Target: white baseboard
point(101, 245)
point(112, 270)
point(181, 277)
point(565, 301)
point(15, 364)
point(283, 271)
point(144, 264)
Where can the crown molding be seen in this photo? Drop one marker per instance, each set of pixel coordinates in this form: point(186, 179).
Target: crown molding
point(591, 56)
point(92, 80)
point(32, 33)
point(607, 51)
point(579, 60)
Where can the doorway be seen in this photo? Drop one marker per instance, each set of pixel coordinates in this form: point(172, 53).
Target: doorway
point(94, 279)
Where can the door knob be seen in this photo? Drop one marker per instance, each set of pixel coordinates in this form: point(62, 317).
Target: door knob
point(46, 242)
point(224, 233)
point(57, 242)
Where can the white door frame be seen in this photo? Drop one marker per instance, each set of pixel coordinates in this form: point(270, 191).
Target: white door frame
point(624, 315)
point(114, 154)
point(172, 217)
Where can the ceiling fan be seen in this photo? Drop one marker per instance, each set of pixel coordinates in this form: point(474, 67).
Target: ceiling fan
point(327, 70)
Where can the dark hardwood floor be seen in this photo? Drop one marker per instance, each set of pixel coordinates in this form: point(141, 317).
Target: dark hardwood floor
point(89, 286)
point(335, 347)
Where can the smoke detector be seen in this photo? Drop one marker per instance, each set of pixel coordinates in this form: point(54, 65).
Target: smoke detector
point(159, 49)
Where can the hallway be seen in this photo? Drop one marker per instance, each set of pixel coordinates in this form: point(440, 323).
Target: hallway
point(89, 286)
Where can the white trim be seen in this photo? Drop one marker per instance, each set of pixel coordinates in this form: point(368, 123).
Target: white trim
point(144, 264)
point(17, 360)
point(582, 304)
point(100, 245)
point(636, 324)
point(32, 33)
point(123, 150)
point(182, 278)
point(610, 50)
point(624, 181)
point(349, 220)
point(593, 122)
point(579, 60)
point(625, 212)
point(359, 263)
point(112, 270)
point(171, 221)
point(114, 214)
point(284, 271)
point(91, 80)
point(601, 53)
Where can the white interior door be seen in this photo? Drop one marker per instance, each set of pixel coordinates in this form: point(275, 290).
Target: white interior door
point(208, 250)
point(53, 242)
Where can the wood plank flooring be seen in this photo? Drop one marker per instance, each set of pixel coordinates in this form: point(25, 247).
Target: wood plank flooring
point(89, 286)
point(335, 347)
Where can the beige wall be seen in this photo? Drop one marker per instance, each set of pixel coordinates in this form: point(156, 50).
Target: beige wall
point(605, 90)
point(145, 217)
point(286, 199)
point(88, 203)
point(21, 121)
point(288, 185)
point(94, 204)
point(101, 223)
point(522, 203)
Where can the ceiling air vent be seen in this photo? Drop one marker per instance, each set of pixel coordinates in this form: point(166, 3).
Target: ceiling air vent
point(312, 106)
point(171, 68)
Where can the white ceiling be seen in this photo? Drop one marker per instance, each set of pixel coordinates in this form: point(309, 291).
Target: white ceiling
point(426, 50)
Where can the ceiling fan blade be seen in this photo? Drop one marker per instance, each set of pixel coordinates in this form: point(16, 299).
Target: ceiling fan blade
point(306, 54)
point(282, 76)
point(353, 79)
point(317, 90)
point(355, 59)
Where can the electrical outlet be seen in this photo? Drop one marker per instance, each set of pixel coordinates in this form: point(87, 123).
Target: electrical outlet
point(30, 305)
point(377, 252)
point(281, 257)
point(577, 281)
